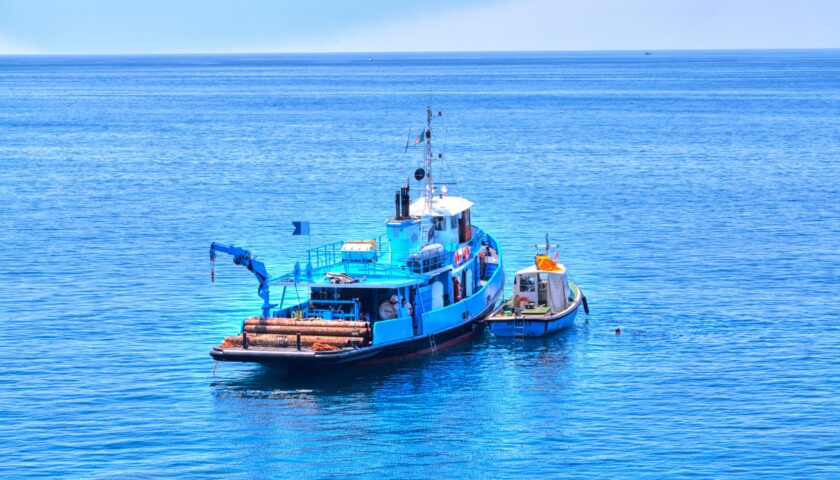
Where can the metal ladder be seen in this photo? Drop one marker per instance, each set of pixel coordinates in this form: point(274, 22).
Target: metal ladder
point(433, 345)
point(518, 324)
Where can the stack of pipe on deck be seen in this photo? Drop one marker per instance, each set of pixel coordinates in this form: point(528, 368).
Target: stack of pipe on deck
point(283, 332)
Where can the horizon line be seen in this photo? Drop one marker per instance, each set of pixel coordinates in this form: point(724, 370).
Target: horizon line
point(393, 52)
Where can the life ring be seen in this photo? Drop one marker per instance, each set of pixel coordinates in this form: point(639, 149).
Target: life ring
point(457, 257)
point(466, 252)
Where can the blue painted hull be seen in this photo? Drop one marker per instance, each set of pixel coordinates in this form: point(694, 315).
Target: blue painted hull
point(532, 328)
point(535, 326)
point(292, 360)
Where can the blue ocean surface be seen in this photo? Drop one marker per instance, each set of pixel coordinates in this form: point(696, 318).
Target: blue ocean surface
point(695, 196)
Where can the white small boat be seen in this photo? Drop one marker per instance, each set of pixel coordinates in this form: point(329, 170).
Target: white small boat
point(544, 301)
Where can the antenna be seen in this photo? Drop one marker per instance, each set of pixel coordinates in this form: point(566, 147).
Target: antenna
point(428, 160)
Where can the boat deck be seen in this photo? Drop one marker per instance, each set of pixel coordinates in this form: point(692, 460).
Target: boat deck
point(374, 274)
point(533, 314)
point(289, 356)
point(507, 313)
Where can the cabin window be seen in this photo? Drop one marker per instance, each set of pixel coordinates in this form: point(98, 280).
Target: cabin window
point(526, 283)
point(453, 222)
point(440, 224)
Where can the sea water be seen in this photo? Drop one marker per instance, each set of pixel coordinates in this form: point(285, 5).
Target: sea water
point(693, 195)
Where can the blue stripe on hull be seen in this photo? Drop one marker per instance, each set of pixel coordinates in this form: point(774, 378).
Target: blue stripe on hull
point(533, 328)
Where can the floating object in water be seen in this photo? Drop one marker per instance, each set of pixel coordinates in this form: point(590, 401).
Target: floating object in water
point(618, 331)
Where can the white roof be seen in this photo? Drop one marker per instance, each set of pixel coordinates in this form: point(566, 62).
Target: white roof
point(441, 206)
point(529, 269)
point(534, 269)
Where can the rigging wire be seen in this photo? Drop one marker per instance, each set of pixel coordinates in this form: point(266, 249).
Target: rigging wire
point(446, 163)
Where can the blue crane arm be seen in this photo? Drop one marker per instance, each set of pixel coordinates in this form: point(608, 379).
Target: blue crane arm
point(244, 257)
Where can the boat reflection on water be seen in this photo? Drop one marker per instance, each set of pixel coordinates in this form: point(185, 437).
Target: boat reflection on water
point(342, 381)
point(484, 355)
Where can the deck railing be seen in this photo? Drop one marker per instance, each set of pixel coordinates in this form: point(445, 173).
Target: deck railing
point(328, 256)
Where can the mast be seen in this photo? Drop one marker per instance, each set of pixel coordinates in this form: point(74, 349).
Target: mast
point(427, 163)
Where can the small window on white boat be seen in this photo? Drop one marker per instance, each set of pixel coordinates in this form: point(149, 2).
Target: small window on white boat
point(440, 224)
point(526, 283)
point(453, 222)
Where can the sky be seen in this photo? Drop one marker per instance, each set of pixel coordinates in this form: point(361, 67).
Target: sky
point(279, 26)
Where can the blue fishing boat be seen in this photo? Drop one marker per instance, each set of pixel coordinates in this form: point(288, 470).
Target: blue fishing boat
point(422, 286)
point(544, 301)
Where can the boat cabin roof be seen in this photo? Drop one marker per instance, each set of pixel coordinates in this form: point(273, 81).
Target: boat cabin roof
point(535, 269)
point(442, 206)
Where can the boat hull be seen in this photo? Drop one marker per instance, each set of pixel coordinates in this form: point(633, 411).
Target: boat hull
point(415, 346)
point(471, 311)
point(532, 327)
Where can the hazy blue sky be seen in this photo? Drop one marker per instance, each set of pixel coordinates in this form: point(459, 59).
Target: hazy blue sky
point(181, 26)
